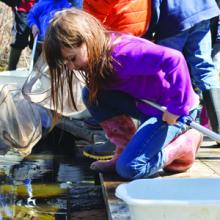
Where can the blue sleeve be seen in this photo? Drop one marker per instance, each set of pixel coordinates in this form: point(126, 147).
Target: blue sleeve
point(33, 16)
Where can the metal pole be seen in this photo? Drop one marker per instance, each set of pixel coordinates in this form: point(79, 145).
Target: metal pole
point(187, 121)
point(33, 53)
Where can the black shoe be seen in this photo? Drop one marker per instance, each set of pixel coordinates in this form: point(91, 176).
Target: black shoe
point(102, 151)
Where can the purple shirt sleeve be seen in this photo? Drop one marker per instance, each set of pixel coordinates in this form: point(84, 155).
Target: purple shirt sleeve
point(149, 71)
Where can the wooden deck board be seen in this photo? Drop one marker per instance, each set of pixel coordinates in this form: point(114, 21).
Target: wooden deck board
point(207, 164)
point(213, 165)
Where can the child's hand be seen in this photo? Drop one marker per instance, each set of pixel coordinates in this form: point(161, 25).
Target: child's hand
point(170, 118)
point(35, 30)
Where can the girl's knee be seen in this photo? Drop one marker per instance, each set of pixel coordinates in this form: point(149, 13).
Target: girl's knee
point(136, 169)
point(127, 171)
point(123, 170)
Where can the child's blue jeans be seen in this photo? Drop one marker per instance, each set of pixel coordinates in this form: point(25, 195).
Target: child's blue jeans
point(143, 156)
point(196, 45)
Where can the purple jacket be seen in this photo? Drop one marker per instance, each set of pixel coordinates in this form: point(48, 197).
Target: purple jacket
point(145, 70)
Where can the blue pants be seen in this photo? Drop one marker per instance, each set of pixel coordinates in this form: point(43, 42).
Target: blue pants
point(195, 43)
point(143, 156)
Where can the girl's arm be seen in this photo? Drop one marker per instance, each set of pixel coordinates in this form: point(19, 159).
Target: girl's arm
point(181, 92)
point(165, 70)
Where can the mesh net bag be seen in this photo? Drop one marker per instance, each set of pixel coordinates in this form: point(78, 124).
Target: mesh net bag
point(26, 113)
point(37, 89)
point(20, 122)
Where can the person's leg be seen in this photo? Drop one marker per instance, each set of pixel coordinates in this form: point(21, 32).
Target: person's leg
point(197, 52)
point(111, 103)
point(176, 42)
point(14, 57)
point(144, 155)
point(100, 149)
point(119, 130)
point(20, 38)
point(198, 55)
point(110, 112)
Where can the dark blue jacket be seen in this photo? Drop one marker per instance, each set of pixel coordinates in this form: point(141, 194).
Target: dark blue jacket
point(170, 17)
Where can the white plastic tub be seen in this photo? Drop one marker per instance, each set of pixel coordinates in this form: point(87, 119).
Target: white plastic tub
point(172, 199)
point(17, 77)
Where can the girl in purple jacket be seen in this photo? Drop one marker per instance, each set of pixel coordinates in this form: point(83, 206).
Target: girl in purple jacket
point(119, 71)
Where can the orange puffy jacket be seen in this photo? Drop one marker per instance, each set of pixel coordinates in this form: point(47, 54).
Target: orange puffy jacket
point(128, 16)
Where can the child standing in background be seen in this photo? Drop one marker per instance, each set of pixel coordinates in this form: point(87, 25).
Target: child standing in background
point(21, 33)
point(215, 31)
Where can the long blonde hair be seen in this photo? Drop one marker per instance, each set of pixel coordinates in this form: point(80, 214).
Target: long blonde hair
point(70, 28)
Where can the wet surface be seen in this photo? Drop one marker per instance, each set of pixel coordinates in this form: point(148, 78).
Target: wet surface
point(53, 182)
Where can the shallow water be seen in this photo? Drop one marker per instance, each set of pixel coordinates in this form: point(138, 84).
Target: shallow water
point(48, 184)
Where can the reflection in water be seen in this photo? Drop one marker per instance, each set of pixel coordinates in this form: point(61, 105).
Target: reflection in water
point(38, 186)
